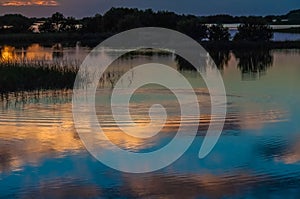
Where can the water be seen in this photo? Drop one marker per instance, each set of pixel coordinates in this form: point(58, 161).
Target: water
point(39, 53)
point(257, 156)
point(277, 36)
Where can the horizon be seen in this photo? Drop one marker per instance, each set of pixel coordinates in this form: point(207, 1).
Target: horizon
point(142, 9)
point(80, 9)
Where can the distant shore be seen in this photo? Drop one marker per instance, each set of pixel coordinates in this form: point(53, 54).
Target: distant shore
point(93, 39)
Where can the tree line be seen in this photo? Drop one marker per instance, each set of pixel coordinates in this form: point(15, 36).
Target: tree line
point(120, 19)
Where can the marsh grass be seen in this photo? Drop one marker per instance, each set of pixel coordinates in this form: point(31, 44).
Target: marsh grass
point(39, 75)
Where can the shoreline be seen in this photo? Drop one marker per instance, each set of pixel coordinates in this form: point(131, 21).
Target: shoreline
point(93, 39)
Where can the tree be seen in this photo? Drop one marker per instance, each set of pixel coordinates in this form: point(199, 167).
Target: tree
point(166, 19)
point(193, 28)
point(218, 19)
point(57, 19)
point(16, 23)
point(69, 25)
point(47, 26)
point(128, 22)
point(94, 24)
point(218, 33)
point(56, 23)
point(112, 17)
point(254, 32)
point(294, 16)
point(148, 18)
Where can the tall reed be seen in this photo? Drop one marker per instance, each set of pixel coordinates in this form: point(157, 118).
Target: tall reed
point(38, 75)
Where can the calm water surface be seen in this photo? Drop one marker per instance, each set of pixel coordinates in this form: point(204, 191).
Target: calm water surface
point(277, 36)
point(257, 156)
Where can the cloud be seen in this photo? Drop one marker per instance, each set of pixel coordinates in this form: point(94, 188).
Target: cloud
point(29, 3)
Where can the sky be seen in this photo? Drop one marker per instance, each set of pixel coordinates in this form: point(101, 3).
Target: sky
point(81, 8)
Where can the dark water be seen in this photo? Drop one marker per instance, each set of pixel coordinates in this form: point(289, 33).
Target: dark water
point(257, 156)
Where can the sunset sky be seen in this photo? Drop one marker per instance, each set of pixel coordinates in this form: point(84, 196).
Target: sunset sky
point(80, 8)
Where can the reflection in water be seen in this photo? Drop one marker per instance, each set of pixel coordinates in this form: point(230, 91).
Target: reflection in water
point(183, 64)
point(37, 52)
point(292, 154)
point(189, 186)
point(257, 155)
point(64, 188)
point(30, 132)
point(285, 150)
point(57, 51)
point(8, 53)
point(253, 64)
point(220, 58)
point(32, 53)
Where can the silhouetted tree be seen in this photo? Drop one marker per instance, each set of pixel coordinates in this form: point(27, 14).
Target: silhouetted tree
point(68, 25)
point(57, 18)
point(254, 32)
point(16, 23)
point(166, 19)
point(112, 18)
point(218, 19)
point(128, 22)
point(148, 18)
point(54, 24)
point(92, 24)
point(218, 33)
point(193, 28)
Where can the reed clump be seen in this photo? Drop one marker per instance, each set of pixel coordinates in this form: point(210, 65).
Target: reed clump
point(38, 75)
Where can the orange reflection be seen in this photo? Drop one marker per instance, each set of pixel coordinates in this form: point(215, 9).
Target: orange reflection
point(8, 53)
point(36, 131)
point(30, 136)
point(37, 52)
point(293, 156)
point(190, 186)
point(58, 189)
point(32, 53)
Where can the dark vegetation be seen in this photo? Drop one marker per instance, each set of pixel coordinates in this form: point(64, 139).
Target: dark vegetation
point(120, 19)
point(253, 32)
point(59, 28)
point(35, 76)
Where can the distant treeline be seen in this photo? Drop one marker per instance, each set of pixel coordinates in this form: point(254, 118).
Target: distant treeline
point(119, 19)
point(253, 28)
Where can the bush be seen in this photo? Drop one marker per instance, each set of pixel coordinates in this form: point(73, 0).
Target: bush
point(218, 33)
point(254, 32)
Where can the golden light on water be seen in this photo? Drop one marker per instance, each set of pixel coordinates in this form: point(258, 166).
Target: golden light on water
point(37, 52)
point(8, 53)
point(31, 136)
point(34, 52)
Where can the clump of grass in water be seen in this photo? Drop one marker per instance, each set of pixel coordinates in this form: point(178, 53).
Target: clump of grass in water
point(29, 76)
point(16, 100)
